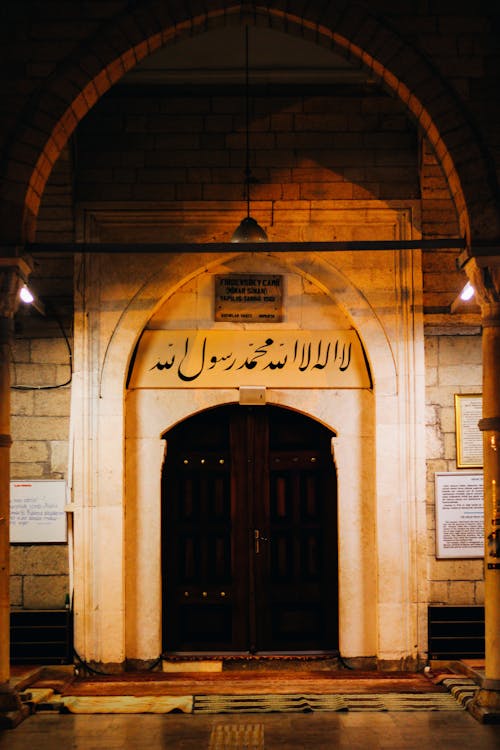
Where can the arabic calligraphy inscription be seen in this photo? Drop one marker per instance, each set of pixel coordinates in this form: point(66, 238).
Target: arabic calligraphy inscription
point(230, 358)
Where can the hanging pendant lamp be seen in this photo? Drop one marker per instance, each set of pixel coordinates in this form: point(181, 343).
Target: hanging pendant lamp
point(249, 230)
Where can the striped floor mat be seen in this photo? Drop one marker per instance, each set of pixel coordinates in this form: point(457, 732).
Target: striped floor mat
point(462, 689)
point(450, 693)
point(255, 704)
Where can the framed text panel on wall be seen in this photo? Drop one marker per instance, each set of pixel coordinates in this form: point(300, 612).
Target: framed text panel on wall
point(37, 511)
point(459, 514)
point(468, 412)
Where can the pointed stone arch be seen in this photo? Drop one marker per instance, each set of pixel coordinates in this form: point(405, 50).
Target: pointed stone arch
point(131, 453)
point(162, 284)
point(351, 29)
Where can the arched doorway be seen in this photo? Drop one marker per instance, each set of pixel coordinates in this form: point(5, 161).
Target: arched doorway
point(249, 534)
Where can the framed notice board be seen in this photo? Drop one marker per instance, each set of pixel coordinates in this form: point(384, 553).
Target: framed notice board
point(459, 514)
point(468, 411)
point(37, 512)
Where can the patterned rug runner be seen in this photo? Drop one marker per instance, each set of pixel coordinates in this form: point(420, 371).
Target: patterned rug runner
point(219, 704)
point(203, 694)
point(248, 683)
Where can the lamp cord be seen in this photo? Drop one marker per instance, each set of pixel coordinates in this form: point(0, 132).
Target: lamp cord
point(51, 312)
point(248, 172)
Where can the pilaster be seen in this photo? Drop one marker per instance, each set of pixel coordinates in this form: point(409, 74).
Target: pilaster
point(486, 280)
point(14, 271)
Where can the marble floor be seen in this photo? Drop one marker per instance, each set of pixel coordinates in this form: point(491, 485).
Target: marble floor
point(353, 731)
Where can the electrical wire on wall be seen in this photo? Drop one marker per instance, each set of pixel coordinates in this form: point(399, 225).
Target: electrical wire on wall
point(50, 312)
point(82, 667)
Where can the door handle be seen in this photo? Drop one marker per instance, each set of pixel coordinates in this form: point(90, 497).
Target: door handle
point(257, 539)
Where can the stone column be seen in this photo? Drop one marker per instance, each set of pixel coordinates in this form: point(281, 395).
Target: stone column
point(486, 281)
point(13, 272)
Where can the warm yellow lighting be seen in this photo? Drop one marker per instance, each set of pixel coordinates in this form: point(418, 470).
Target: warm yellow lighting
point(25, 295)
point(465, 295)
point(467, 292)
point(249, 231)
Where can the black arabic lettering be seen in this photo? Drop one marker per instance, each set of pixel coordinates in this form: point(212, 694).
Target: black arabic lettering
point(164, 365)
point(321, 365)
point(306, 355)
point(189, 378)
point(215, 361)
point(302, 366)
point(278, 364)
point(260, 351)
point(342, 366)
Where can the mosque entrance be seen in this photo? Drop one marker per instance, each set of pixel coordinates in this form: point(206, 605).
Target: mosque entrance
point(249, 535)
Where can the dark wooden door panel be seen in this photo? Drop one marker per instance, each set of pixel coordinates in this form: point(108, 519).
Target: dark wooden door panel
point(249, 529)
point(299, 599)
point(198, 578)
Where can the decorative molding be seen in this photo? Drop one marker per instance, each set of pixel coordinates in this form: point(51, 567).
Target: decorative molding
point(214, 221)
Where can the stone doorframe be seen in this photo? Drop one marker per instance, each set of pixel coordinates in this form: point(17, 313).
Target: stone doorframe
point(118, 456)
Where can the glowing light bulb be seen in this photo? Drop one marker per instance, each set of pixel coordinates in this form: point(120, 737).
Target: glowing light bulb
point(467, 292)
point(26, 295)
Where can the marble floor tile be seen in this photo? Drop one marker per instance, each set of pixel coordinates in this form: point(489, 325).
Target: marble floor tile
point(353, 731)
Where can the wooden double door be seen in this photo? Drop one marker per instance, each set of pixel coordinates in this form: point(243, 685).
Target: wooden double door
point(249, 533)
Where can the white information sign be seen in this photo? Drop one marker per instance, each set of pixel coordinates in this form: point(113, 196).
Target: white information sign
point(37, 511)
point(459, 514)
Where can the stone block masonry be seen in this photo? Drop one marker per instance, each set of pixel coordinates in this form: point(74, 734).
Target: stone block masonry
point(178, 147)
point(453, 365)
point(40, 426)
point(39, 576)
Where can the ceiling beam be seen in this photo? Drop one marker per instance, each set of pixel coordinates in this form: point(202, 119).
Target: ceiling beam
point(485, 253)
point(457, 243)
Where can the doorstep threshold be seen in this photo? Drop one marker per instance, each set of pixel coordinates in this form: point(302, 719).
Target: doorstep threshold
point(187, 661)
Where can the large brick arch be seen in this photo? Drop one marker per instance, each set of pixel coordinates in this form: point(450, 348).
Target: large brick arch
point(349, 28)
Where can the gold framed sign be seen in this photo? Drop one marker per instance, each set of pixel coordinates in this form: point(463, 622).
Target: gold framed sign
point(468, 412)
point(249, 298)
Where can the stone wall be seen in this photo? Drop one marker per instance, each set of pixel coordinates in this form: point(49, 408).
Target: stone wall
point(41, 390)
point(134, 148)
point(39, 576)
point(453, 365)
point(39, 573)
point(187, 145)
point(40, 431)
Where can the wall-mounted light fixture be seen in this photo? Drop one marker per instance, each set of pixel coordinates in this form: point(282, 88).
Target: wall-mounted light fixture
point(465, 295)
point(467, 292)
point(249, 230)
point(27, 296)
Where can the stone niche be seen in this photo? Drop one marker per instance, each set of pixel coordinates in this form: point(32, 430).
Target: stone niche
point(378, 451)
